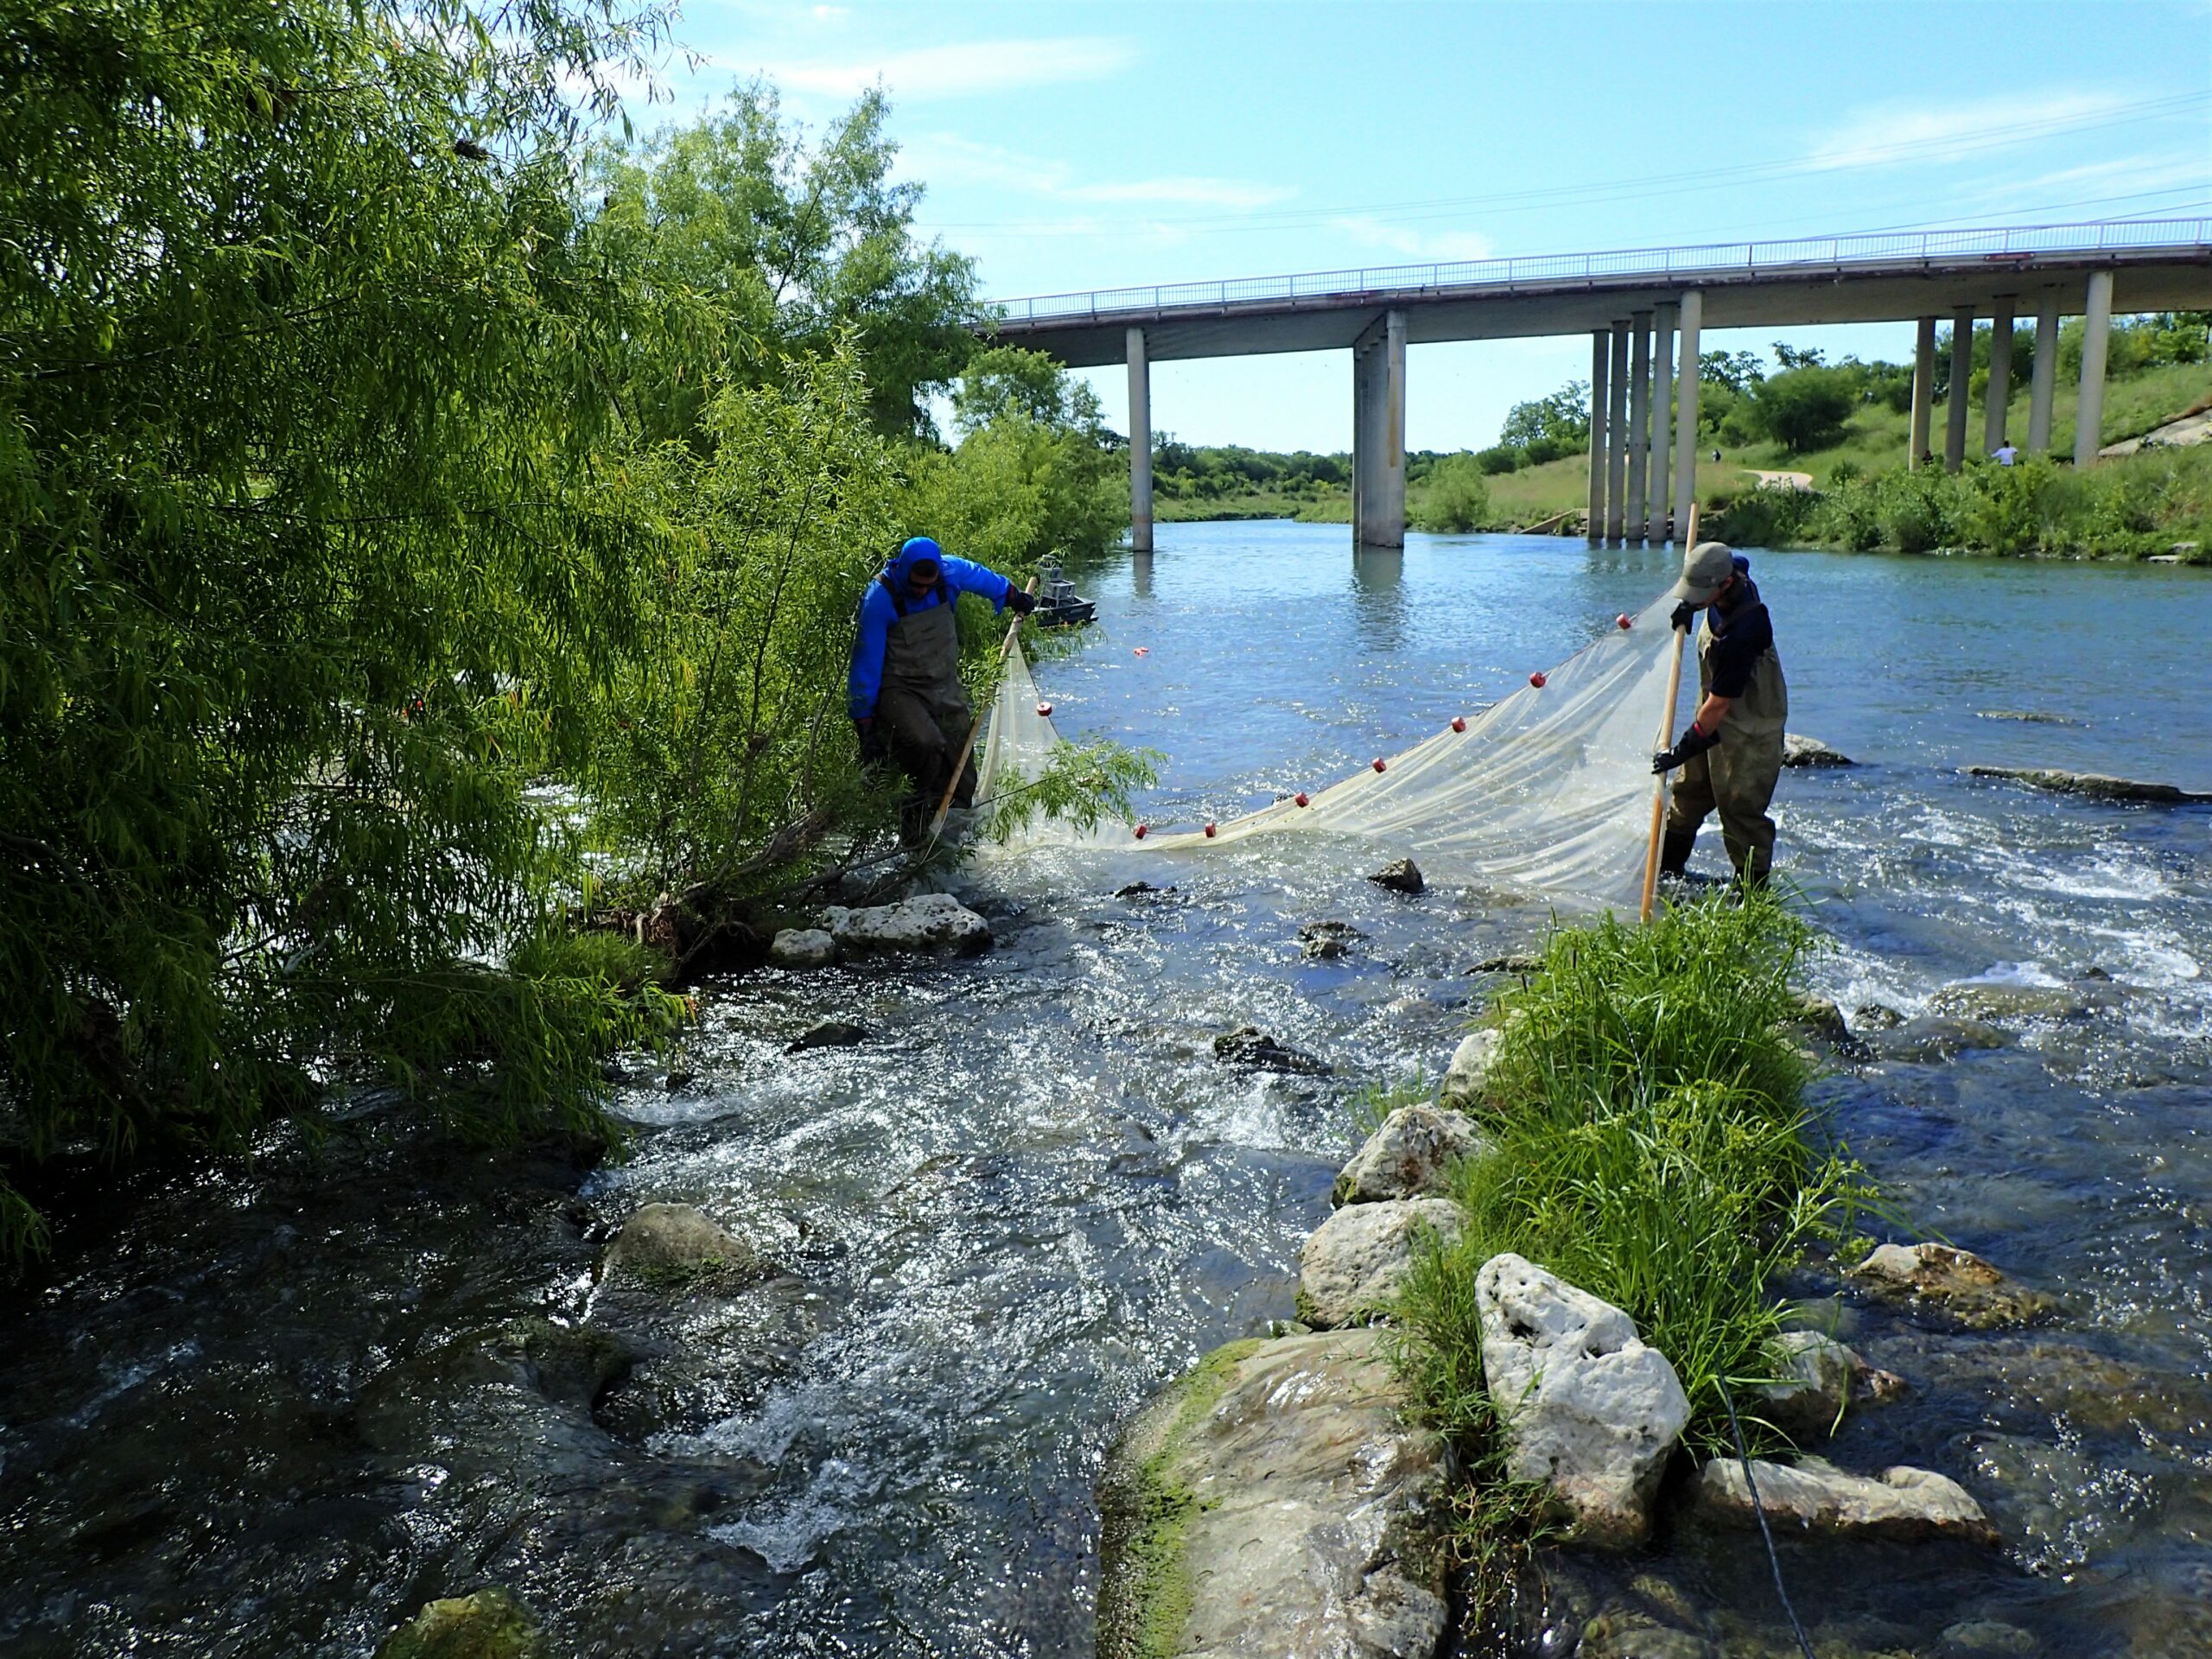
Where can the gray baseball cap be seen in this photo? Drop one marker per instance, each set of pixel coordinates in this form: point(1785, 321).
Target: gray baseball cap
point(1705, 567)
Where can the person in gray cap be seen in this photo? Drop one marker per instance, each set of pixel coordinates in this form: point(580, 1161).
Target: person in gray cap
point(1730, 756)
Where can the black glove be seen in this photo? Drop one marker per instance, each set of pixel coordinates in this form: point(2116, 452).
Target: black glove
point(1687, 746)
point(1020, 602)
point(874, 750)
point(1685, 615)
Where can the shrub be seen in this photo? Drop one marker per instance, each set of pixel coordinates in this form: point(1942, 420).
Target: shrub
point(1803, 408)
point(1501, 458)
point(1456, 498)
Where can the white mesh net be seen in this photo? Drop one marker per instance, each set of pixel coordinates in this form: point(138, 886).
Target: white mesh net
point(1548, 791)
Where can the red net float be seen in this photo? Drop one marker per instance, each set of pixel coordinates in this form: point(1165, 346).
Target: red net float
point(1141, 650)
point(1458, 722)
point(1209, 832)
point(1536, 679)
point(1379, 763)
point(1623, 620)
point(1142, 830)
point(1300, 798)
point(1045, 710)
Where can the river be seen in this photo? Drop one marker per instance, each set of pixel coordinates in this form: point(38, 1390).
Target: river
point(251, 1412)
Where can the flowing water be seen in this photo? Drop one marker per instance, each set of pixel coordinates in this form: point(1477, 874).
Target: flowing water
point(272, 1410)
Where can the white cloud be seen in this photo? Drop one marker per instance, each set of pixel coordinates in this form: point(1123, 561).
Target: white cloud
point(1892, 134)
point(959, 71)
point(942, 158)
point(1440, 246)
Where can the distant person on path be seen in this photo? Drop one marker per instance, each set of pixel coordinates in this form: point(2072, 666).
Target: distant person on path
point(2005, 454)
point(1730, 757)
point(905, 693)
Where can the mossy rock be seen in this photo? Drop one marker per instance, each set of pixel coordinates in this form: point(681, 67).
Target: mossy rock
point(489, 1623)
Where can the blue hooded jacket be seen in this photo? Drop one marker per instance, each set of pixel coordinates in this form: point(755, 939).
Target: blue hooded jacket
point(878, 610)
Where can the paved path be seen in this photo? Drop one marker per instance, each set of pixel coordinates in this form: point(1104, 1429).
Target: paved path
point(1782, 480)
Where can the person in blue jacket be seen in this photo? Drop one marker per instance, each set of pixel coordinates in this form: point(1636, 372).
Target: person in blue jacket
point(905, 692)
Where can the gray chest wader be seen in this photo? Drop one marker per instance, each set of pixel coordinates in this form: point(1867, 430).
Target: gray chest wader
point(922, 703)
point(1737, 778)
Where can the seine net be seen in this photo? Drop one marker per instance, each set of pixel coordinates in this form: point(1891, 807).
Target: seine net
point(1548, 791)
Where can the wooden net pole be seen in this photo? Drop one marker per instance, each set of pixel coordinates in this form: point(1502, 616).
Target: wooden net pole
point(1666, 732)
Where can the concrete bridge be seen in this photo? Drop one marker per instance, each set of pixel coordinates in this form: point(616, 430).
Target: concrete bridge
point(1635, 305)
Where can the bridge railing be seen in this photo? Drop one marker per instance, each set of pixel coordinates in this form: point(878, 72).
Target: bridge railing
point(1660, 264)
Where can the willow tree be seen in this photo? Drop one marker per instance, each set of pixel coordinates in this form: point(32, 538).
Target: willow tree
point(319, 543)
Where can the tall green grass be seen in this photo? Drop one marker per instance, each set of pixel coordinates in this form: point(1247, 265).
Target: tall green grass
point(1651, 1143)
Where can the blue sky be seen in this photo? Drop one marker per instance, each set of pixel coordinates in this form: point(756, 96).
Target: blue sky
point(1072, 147)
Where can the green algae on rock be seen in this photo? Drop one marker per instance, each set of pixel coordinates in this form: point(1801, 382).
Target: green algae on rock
point(487, 1623)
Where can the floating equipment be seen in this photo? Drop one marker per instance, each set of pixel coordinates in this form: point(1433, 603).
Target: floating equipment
point(1380, 763)
point(1623, 620)
point(1458, 722)
point(1210, 828)
point(1141, 650)
point(1300, 798)
point(1044, 711)
point(1141, 829)
point(1536, 679)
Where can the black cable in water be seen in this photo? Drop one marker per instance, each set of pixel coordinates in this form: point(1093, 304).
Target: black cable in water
point(1773, 1560)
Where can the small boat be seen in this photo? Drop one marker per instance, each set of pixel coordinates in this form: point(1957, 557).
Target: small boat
point(1059, 604)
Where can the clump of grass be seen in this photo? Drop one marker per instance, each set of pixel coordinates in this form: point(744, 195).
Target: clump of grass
point(1650, 1144)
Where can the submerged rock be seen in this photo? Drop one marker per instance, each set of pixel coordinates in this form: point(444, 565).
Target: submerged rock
point(1138, 889)
point(676, 1240)
point(1402, 875)
point(1327, 941)
point(1356, 1260)
point(932, 922)
point(1470, 1068)
point(1800, 750)
point(488, 1623)
point(1250, 1046)
point(1510, 964)
point(2095, 785)
point(1939, 1037)
point(801, 947)
point(1408, 1157)
point(574, 1364)
point(1273, 1504)
point(1902, 1503)
point(1875, 1016)
point(1818, 1378)
point(1962, 1284)
point(1993, 1002)
point(830, 1033)
point(1588, 1407)
point(1820, 1016)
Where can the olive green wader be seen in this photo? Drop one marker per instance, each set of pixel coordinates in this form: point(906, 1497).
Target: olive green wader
point(924, 707)
point(1737, 776)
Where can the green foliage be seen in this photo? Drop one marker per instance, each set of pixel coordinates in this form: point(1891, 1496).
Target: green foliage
point(1740, 371)
point(1455, 499)
point(1803, 407)
point(784, 248)
point(1501, 458)
point(1084, 785)
point(1563, 418)
point(319, 553)
point(1650, 1145)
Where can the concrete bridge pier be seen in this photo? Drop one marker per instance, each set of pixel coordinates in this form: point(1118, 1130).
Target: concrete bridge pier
point(2096, 340)
point(1139, 445)
point(1617, 437)
point(1378, 432)
point(1601, 358)
point(1954, 424)
point(1923, 393)
point(1659, 503)
point(1995, 407)
point(2044, 378)
point(1686, 438)
point(1639, 426)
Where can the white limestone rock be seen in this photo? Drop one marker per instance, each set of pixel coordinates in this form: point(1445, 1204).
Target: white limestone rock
point(1470, 1064)
point(801, 947)
point(1588, 1407)
point(1957, 1282)
point(1279, 1486)
point(1409, 1157)
point(1798, 750)
point(1815, 1374)
point(929, 924)
point(1356, 1261)
point(1903, 1504)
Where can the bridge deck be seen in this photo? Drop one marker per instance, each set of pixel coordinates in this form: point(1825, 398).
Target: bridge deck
point(2159, 266)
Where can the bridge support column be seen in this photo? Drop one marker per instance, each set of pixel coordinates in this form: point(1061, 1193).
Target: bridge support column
point(1618, 436)
point(1686, 414)
point(1378, 434)
point(1139, 445)
point(1659, 504)
point(1954, 422)
point(1994, 407)
point(1923, 393)
point(2097, 338)
point(2043, 382)
point(1639, 426)
point(1601, 358)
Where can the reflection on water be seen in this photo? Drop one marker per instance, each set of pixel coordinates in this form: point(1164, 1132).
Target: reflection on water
point(275, 1411)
